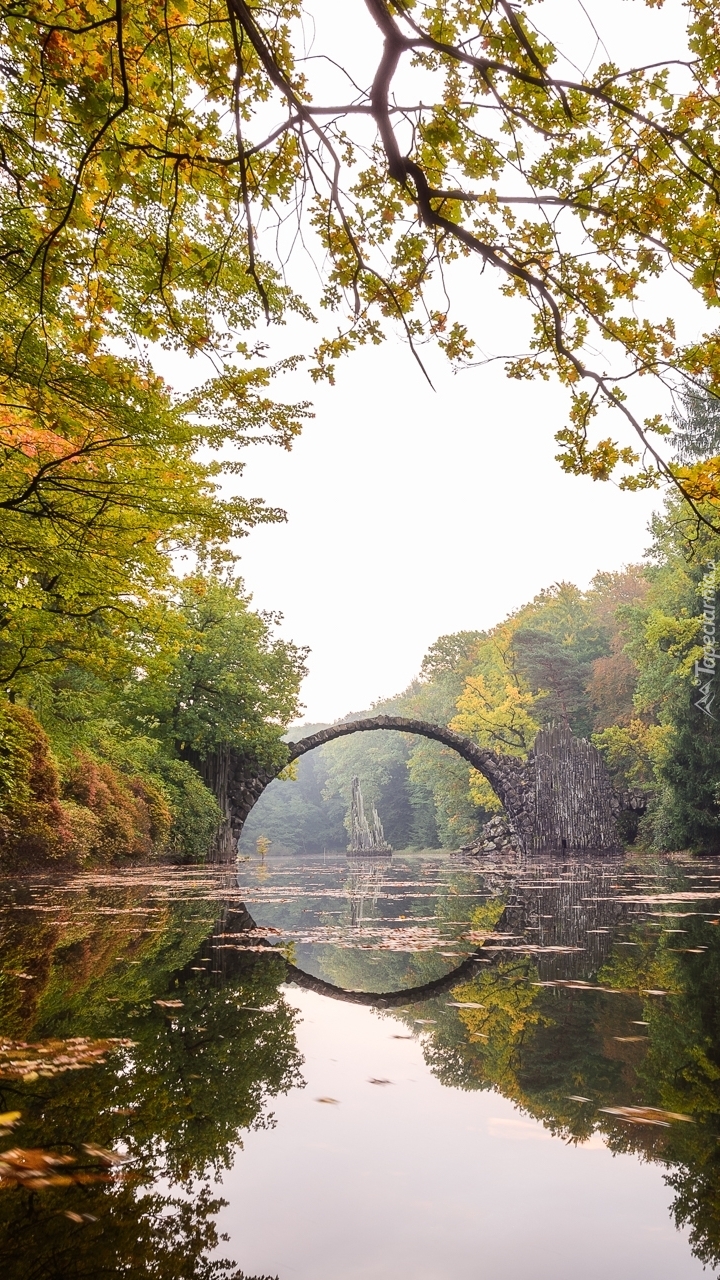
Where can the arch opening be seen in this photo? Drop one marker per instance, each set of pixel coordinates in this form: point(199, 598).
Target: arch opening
point(506, 775)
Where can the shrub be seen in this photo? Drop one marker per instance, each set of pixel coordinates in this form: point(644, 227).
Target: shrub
point(194, 812)
point(132, 815)
point(34, 826)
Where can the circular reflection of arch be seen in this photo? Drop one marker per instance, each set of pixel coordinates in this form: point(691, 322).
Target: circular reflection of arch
point(376, 999)
point(385, 999)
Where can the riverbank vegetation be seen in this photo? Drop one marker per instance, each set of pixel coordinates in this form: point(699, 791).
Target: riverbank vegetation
point(100, 746)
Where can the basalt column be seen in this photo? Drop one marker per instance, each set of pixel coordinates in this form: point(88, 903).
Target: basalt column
point(237, 782)
point(574, 803)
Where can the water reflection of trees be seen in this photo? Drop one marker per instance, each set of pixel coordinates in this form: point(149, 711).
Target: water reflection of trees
point(199, 1074)
point(547, 1047)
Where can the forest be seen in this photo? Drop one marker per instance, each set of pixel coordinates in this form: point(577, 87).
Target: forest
point(616, 663)
point(159, 167)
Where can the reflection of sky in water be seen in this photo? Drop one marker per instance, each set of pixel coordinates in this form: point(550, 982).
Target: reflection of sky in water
point(412, 1179)
point(415, 1178)
point(517, 1123)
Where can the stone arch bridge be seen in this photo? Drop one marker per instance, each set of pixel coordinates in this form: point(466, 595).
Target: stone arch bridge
point(560, 798)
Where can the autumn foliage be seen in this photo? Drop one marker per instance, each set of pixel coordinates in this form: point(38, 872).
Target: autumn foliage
point(34, 826)
point(115, 816)
point(92, 812)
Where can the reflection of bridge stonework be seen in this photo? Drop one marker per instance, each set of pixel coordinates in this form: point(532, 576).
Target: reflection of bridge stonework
point(565, 912)
point(559, 799)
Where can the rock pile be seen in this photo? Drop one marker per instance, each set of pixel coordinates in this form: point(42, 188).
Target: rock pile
point(496, 836)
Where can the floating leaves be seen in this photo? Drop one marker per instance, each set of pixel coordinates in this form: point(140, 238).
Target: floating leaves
point(36, 1169)
point(103, 1154)
point(577, 985)
point(8, 1121)
point(170, 1004)
point(22, 1061)
point(647, 1115)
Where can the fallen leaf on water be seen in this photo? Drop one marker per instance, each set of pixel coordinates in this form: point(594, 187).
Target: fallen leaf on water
point(402, 1037)
point(170, 1004)
point(463, 1004)
point(375, 1080)
point(9, 1119)
point(36, 1169)
point(656, 993)
point(333, 1101)
point(79, 1217)
point(647, 1115)
point(33, 1166)
point(573, 985)
point(22, 1061)
point(577, 1097)
point(632, 1039)
point(425, 1022)
point(102, 1153)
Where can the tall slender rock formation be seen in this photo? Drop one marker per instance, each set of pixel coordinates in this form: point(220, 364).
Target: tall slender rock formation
point(365, 839)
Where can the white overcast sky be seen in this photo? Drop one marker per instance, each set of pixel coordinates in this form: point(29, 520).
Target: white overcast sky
point(412, 512)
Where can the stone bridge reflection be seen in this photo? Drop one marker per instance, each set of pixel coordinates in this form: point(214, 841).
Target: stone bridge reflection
point(564, 915)
point(387, 999)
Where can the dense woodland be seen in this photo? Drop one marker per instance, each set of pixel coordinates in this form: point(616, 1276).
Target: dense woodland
point(161, 168)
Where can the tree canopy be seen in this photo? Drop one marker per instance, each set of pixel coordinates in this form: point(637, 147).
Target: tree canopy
point(162, 164)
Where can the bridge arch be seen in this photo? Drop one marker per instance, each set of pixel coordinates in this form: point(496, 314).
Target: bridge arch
point(507, 776)
point(559, 800)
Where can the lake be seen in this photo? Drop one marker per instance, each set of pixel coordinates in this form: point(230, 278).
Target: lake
point(321, 1068)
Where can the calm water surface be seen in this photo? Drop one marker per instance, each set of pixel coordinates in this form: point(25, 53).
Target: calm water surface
point(188, 1091)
